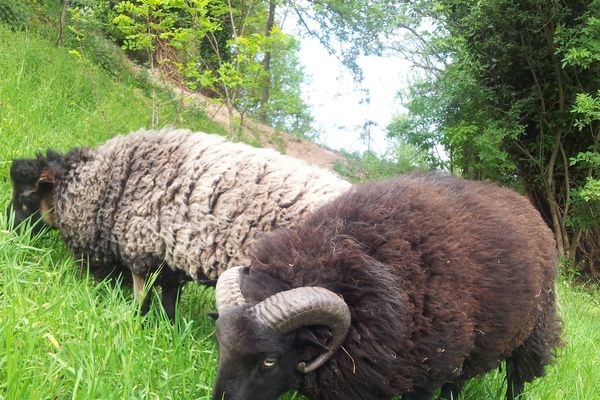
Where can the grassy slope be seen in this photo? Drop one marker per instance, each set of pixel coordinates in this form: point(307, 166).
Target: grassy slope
point(63, 335)
point(50, 98)
point(60, 335)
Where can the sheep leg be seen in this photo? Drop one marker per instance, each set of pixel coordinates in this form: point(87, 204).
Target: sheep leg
point(146, 304)
point(170, 294)
point(208, 282)
point(418, 394)
point(138, 286)
point(514, 382)
point(138, 290)
point(527, 361)
point(450, 391)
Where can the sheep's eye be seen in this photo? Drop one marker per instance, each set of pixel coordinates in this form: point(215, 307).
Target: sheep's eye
point(269, 362)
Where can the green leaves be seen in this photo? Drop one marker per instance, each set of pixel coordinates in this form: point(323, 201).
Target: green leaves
point(590, 190)
point(579, 44)
point(15, 13)
point(587, 108)
point(220, 46)
point(146, 23)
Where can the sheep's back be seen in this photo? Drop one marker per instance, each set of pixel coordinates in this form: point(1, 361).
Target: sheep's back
point(191, 200)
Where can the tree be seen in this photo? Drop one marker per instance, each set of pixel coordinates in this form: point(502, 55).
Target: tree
point(61, 24)
point(159, 27)
point(223, 49)
point(501, 97)
point(580, 48)
point(365, 135)
point(266, 65)
point(348, 28)
point(285, 108)
point(358, 167)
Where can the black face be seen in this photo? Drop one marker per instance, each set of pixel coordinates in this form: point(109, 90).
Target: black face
point(254, 364)
point(26, 197)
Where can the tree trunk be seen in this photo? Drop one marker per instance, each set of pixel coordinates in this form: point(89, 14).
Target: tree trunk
point(266, 66)
point(61, 26)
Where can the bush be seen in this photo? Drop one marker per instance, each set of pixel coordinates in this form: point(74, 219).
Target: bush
point(15, 13)
point(358, 167)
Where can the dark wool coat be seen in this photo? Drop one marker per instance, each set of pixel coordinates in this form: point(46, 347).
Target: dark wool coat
point(444, 278)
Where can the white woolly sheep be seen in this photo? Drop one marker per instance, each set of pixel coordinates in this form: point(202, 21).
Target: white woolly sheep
point(187, 203)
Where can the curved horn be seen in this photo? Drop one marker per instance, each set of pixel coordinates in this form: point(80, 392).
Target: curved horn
point(228, 292)
point(287, 311)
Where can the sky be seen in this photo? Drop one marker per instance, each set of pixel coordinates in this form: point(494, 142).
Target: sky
point(336, 103)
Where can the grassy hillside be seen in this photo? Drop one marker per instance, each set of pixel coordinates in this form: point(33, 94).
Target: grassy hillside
point(50, 97)
point(62, 335)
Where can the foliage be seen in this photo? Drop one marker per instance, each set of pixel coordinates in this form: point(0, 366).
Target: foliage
point(580, 48)
point(590, 160)
point(245, 74)
point(285, 108)
point(586, 196)
point(579, 44)
point(402, 159)
point(504, 81)
point(14, 13)
point(450, 113)
point(159, 27)
point(191, 36)
point(86, 42)
point(348, 28)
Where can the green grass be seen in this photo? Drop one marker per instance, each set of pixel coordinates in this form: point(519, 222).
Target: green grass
point(52, 98)
point(63, 335)
point(576, 374)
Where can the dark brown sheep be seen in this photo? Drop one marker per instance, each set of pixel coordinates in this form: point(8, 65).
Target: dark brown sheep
point(424, 281)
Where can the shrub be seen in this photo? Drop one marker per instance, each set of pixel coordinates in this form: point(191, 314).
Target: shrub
point(15, 13)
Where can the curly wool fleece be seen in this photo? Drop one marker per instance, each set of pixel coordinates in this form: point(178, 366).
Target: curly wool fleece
point(192, 201)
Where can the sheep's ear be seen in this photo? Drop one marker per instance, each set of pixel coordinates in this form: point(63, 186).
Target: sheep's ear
point(213, 314)
point(52, 155)
point(46, 180)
